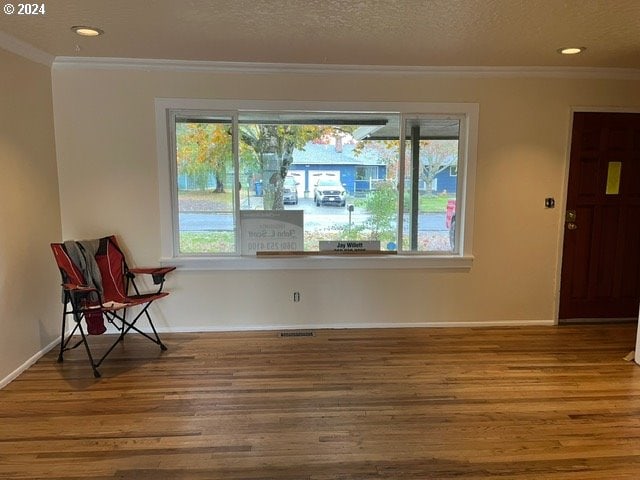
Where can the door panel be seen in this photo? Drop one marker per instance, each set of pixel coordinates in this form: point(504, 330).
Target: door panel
point(601, 254)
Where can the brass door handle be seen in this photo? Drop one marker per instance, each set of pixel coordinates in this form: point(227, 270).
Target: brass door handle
point(570, 219)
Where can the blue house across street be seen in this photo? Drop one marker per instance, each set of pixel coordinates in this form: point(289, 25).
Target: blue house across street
point(446, 180)
point(357, 172)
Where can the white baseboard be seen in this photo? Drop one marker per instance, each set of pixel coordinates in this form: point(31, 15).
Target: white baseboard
point(339, 326)
point(22, 368)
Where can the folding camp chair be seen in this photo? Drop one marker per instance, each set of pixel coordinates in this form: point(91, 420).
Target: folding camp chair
point(86, 302)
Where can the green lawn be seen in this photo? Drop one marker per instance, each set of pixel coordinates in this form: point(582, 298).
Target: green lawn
point(434, 204)
point(223, 242)
point(207, 242)
point(428, 204)
point(205, 201)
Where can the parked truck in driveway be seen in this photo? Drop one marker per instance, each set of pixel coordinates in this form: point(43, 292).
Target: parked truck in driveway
point(329, 191)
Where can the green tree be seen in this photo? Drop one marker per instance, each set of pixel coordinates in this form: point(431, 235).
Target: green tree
point(382, 205)
point(265, 147)
point(386, 151)
point(273, 145)
point(203, 148)
point(435, 156)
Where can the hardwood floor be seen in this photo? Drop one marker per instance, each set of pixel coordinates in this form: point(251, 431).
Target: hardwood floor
point(507, 403)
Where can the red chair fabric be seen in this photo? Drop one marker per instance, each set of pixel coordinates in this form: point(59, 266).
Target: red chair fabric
point(111, 302)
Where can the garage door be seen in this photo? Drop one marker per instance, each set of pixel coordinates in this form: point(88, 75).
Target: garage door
point(298, 175)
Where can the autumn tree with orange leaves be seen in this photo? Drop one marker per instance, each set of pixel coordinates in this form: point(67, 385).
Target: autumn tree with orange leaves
point(204, 148)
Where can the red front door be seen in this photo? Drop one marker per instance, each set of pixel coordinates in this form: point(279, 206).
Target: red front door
point(601, 254)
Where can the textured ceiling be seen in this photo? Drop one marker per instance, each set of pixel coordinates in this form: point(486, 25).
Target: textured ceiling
point(504, 33)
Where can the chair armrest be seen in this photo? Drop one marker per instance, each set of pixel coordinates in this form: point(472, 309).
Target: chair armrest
point(81, 296)
point(71, 287)
point(158, 273)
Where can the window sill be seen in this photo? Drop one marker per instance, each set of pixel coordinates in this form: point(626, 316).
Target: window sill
point(322, 262)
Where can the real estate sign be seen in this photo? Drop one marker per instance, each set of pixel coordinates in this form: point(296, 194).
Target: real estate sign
point(271, 231)
point(350, 246)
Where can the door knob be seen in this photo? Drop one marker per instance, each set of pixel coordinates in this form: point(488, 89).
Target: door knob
point(572, 226)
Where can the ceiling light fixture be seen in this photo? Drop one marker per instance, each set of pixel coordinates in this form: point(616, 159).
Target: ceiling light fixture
point(87, 31)
point(571, 50)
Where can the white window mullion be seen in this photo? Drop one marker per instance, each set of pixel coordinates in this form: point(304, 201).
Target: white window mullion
point(175, 221)
point(461, 186)
point(401, 172)
point(235, 147)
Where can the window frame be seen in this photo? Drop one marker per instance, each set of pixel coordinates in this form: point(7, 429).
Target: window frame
point(167, 108)
point(402, 173)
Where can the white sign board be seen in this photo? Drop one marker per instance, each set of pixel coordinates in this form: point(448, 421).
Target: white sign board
point(350, 246)
point(271, 231)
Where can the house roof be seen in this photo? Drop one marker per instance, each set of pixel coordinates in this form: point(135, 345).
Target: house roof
point(326, 154)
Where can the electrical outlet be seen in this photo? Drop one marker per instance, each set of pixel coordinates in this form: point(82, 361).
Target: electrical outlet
point(296, 297)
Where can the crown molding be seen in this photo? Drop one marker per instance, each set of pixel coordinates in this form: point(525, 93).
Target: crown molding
point(25, 50)
point(111, 63)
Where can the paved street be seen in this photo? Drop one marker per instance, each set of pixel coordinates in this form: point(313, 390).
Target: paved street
point(316, 218)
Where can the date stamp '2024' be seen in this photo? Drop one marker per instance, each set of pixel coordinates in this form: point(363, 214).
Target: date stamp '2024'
point(24, 9)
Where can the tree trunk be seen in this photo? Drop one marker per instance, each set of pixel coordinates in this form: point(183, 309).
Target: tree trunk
point(278, 196)
point(219, 184)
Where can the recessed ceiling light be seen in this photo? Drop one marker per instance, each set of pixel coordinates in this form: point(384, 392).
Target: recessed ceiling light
point(87, 31)
point(571, 50)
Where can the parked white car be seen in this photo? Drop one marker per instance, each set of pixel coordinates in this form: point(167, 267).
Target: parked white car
point(290, 191)
point(329, 190)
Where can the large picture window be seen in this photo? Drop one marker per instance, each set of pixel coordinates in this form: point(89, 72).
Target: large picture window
point(380, 177)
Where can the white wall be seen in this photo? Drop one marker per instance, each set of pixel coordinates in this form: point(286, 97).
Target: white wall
point(30, 305)
point(105, 134)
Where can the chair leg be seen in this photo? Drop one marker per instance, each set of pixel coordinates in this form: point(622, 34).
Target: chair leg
point(64, 327)
point(96, 373)
point(132, 326)
point(124, 329)
point(163, 347)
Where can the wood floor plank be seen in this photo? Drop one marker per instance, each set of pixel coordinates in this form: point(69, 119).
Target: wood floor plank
point(548, 403)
